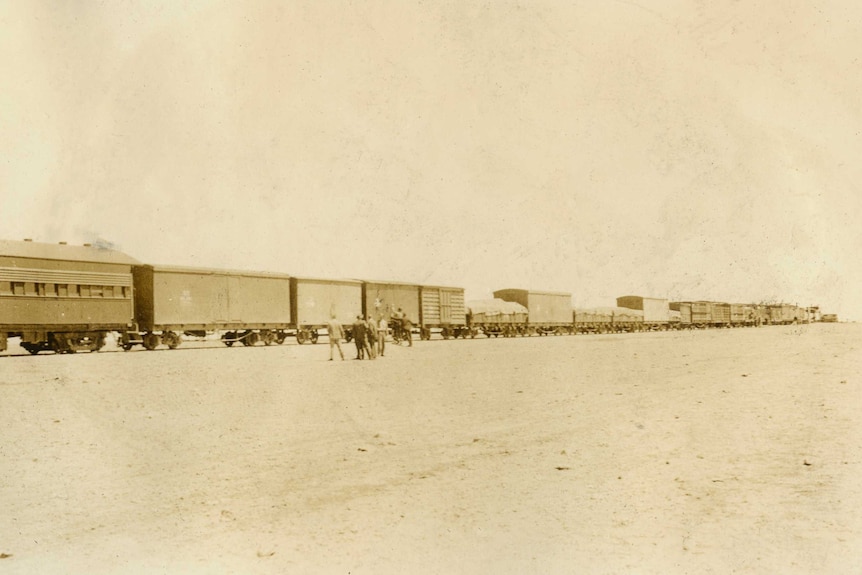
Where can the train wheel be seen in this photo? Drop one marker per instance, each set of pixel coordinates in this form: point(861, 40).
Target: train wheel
point(33, 349)
point(314, 336)
point(280, 337)
point(152, 341)
point(228, 338)
point(267, 337)
point(171, 339)
point(251, 338)
point(302, 336)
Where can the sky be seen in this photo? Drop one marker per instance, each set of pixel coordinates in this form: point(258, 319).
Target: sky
point(689, 150)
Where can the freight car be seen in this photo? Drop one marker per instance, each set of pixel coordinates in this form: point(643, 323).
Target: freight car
point(241, 306)
point(314, 301)
point(783, 314)
point(442, 308)
point(63, 298)
point(548, 312)
point(720, 314)
point(429, 308)
point(496, 317)
point(693, 314)
point(593, 320)
point(381, 299)
point(655, 310)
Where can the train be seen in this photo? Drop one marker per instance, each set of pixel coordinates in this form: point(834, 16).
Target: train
point(65, 298)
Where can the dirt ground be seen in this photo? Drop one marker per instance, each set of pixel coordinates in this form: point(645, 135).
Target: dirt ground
point(723, 451)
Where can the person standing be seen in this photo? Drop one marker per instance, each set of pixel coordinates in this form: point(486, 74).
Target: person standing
point(382, 330)
point(336, 334)
point(371, 334)
point(359, 337)
point(407, 327)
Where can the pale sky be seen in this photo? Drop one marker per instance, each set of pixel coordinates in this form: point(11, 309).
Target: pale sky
point(678, 149)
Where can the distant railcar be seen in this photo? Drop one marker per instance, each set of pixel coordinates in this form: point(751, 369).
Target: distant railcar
point(783, 314)
point(63, 298)
point(496, 317)
point(593, 320)
point(549, 312)
point(720, 313)
point(655, 310)
point(242, 306)
point(696, 314)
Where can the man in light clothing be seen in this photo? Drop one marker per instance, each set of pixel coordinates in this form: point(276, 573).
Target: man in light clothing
point(336, 333)
point(382, 330)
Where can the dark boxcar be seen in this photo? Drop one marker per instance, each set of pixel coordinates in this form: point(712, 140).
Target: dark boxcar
point(549, 312)
point(782, 314)
point(315, 300)
point(382, 299)
point(247, 306)
point(63, 298)
point(442, 308)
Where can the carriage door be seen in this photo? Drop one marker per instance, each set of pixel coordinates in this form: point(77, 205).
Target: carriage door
point(234, 298)
point(445, 307)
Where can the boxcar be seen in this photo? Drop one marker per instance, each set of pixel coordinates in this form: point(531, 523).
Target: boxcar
point(243, 306)
point(655, 310)
point(549, 312)
point(382, 299)
point(442, 308)
point(720, 313)
point(782, 314)
point(63, 298)
point(742, 315)
point(495, 317)
point(315, 300)
point(694, 313)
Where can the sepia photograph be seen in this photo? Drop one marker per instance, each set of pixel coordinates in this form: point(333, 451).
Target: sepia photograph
point(430, 287)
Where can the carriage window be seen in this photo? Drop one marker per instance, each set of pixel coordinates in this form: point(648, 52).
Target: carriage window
point(62, 290)
point(18, 288)
point(30, 288)
point(50, 289)
point(85, 291)
point(74, 290)
point(96, 291)
point(5, 287)
point(109, 291)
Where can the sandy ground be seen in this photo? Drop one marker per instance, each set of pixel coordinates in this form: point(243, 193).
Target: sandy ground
point(726, 451)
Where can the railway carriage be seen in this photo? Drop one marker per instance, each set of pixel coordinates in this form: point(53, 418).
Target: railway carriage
point(655, 310)
point(548, 312)
point(241, 306)
point(382, 299)
point(315, 300)
point(495, 317)
point(63, 298)
point(442, 308)
point(593, 320)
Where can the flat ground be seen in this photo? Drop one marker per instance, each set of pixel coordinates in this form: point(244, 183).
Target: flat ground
point(725, 451)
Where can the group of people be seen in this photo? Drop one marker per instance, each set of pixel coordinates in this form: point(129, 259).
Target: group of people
point(368, 335)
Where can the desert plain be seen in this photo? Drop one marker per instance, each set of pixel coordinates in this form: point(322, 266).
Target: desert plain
point(715, 451)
